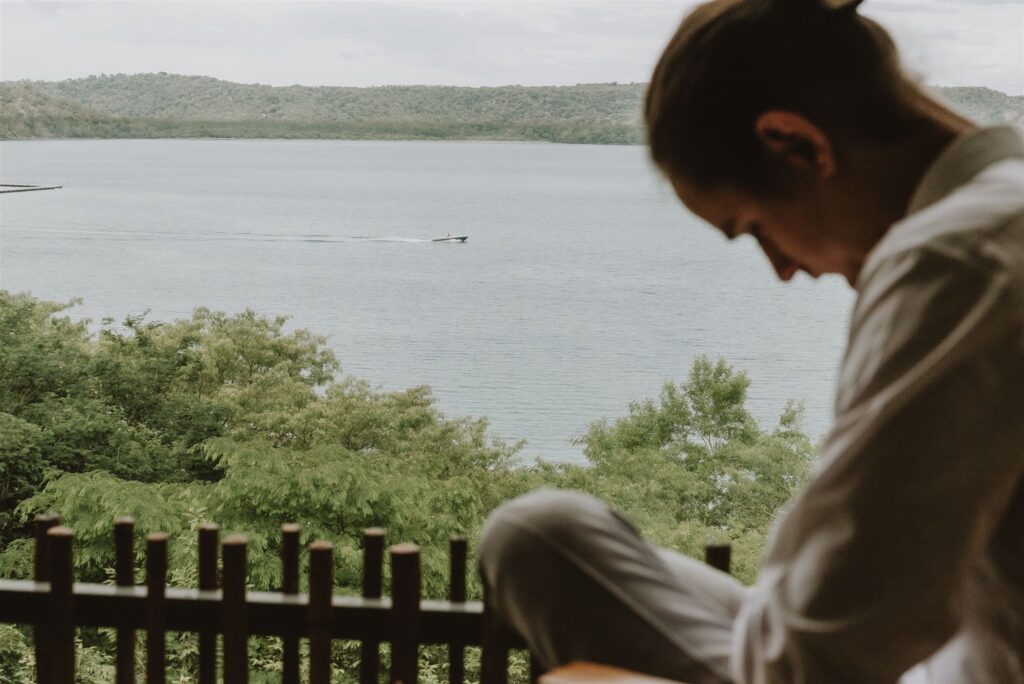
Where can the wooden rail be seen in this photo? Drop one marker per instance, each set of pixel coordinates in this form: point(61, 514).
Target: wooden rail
point(55, 605)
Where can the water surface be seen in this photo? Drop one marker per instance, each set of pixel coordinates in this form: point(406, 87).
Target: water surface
point(584, 285)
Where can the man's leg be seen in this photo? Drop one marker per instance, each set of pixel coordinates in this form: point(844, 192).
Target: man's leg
point(576, 580)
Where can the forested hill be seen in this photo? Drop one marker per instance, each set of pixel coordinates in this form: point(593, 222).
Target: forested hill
point(163, 105)
point(167, 105)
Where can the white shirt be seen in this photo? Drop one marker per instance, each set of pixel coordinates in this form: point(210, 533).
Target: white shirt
point(906, 552)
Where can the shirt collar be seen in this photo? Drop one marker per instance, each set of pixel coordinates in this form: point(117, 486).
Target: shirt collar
point(956, 165)
point(962, 160)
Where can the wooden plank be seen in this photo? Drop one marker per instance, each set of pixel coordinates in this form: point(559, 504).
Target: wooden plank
point(236, 637)
point(373, 584)
point(124, 573)
point(290, 585)
point(41, 573)
point(268, 613)
point(590, 673)
point(209, 541)
point(321, 586)
point(458, 549)
point(156, 608)
point(405, 604)
point(61, 627)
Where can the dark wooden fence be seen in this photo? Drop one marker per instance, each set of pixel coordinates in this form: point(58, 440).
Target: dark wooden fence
point(55, 605)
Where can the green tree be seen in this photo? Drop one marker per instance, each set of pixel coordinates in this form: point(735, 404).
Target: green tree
point(695, 467)
point(236, 419)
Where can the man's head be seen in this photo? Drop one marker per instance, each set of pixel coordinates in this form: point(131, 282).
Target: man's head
point(759, 112)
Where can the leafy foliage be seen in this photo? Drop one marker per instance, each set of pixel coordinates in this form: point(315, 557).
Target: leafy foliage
point(236, 419)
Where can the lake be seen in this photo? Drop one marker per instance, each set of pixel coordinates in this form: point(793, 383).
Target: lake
point(584, 284)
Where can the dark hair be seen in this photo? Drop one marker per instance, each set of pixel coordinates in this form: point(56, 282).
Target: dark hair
point(732, 60)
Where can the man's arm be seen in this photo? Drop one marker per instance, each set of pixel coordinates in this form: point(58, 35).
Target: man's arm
point(865, 576)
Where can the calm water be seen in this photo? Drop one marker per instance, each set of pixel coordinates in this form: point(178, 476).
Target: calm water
point(583, 285)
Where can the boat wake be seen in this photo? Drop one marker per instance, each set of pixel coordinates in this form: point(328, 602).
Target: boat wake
point(94, 234)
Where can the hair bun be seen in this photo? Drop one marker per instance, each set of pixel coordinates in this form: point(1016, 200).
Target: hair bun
point(836, 6)
point(848, 6)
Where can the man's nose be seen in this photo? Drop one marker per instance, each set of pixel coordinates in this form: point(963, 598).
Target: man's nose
point(784, 268)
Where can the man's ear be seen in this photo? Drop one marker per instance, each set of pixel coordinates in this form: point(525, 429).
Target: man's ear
point(796, 140)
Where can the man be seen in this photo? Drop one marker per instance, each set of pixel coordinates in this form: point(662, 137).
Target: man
point(790, 121)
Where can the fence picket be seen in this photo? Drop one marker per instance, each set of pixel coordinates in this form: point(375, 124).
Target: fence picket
point(41, 573)
point(405, 607)
point(236, 638)
point(209, 538)
point(458, 549)
point(535, 669)
point(61, 628)
point(321, 586)
point(124, 574)
point(290, 586)
point(156, 608)
point(373, 584)
point(494, 647)
point(718, 556)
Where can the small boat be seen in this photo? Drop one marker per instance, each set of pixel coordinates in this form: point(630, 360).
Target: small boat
point(450, 238)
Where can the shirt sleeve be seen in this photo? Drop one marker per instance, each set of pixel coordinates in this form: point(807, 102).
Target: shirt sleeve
point(865, 576)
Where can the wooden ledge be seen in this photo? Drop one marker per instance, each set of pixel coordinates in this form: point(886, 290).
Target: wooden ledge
point(589, 673)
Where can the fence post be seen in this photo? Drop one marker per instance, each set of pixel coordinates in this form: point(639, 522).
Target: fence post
point(458, 550)
point(41, 560)
point(62, 626)
point(290, 586)
point(321, 587)
point(494, 647)
point(718, 556)
point(236, 638)
point(124, 571)
point(156, 608)
point(405, 608)
point(536, 671)
point(373, 583)
point(41, 573)
point(209, 536)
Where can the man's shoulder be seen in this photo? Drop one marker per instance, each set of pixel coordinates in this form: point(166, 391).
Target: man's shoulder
point(950, 284)
point(979, 226)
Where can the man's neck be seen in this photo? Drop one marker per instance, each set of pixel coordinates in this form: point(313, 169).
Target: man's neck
point(890, 173)
point(906, 163)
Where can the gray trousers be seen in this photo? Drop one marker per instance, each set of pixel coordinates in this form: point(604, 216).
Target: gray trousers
point(577, 581)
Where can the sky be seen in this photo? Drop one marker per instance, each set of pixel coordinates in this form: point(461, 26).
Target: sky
point(467, 42)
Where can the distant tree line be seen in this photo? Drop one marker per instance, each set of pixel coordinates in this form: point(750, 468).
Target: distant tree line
point(172, 106)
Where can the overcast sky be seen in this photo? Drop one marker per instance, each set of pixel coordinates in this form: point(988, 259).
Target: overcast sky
point(472, 42)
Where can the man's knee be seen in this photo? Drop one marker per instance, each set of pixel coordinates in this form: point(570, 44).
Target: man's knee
point(532, 527)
